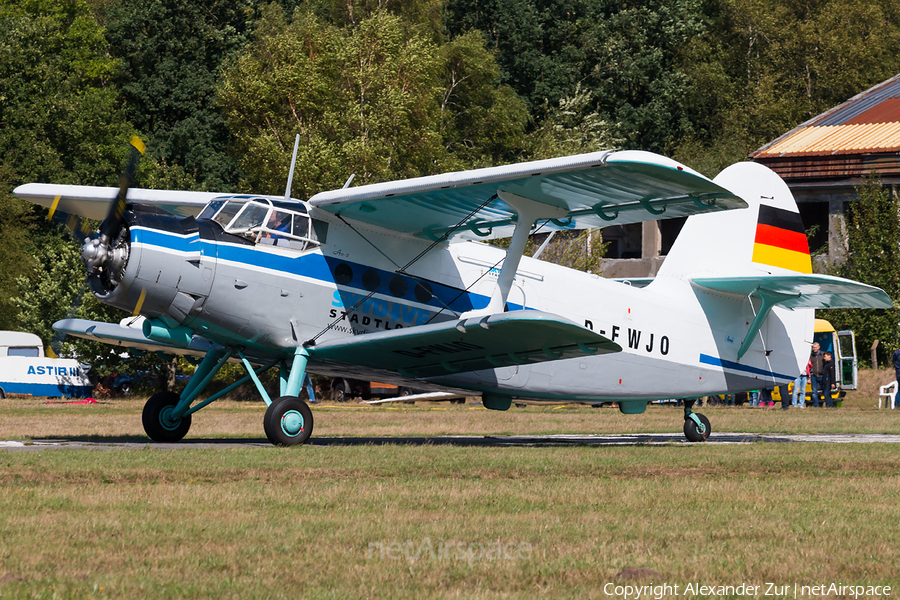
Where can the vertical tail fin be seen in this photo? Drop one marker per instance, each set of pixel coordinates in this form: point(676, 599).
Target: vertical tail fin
point(767, 237)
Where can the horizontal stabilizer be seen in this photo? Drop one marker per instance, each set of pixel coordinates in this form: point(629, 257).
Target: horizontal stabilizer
point(803, 291)
point(500, 340)
point(127, 337)
point(796, 291)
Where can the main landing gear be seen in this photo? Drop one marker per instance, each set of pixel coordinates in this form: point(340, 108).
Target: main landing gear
point(696, 426)
point(287, 422)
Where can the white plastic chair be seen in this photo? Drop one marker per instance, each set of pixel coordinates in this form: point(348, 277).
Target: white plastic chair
point(887, 392)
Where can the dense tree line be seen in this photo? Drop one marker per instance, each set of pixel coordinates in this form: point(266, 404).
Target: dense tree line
point(392, 88)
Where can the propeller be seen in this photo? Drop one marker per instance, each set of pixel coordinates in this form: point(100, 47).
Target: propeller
point(106, 254)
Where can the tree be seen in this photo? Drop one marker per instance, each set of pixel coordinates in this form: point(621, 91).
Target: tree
point(378, 99)
point(59, 122)
point(172, 52)
point(762, 67)
point(573, 128)
point(626, 54)
point(874, 253)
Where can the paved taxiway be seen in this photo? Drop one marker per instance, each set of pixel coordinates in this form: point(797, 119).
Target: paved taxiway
point(638, 439)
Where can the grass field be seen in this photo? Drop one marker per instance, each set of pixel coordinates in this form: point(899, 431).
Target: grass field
point(403, 521)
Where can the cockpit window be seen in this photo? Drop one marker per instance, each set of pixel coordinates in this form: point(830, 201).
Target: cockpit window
point(225, 215)
point(266, 224)
point(211, 209)
point(252, 216)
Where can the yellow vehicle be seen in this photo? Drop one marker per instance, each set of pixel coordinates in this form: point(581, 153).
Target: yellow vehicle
point(842, 345)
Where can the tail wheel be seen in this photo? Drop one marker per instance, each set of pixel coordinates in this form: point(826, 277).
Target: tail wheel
point(693, 433)
point(158, 421)
point(288, 421)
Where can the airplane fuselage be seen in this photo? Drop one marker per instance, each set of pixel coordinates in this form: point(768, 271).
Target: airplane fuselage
point(358, 280)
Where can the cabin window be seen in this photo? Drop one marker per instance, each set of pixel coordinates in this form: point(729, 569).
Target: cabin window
point(282, 225)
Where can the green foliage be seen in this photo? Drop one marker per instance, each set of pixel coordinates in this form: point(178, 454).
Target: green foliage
point(624, 53)
point(580, 249)
point(172, 52)
point(573, 128)
point(874, 256)
point(766, 66)
point(58, 115)
point(59, 122)
point(15, 261)
point(379, 99)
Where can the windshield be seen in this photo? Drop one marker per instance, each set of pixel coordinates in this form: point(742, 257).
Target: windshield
point(266, 224)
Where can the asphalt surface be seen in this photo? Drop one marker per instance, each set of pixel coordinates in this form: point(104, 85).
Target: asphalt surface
point(639, 439)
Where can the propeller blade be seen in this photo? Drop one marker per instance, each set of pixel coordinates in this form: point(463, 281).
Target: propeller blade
point(113, 221)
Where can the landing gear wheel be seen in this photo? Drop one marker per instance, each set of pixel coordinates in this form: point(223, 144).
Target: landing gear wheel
point(158, 421)
point(288, 421)
point(692, 432)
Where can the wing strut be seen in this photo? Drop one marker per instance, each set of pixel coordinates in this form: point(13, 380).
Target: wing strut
point(768, 300)
point(527, 212)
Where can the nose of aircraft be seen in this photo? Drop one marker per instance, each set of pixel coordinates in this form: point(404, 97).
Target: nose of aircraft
point(106, 259)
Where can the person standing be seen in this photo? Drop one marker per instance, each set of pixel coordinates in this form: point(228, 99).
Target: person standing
point(798, 396)
point(817, 363)
point(828, 379)
point(896, 359)
point(783, 392)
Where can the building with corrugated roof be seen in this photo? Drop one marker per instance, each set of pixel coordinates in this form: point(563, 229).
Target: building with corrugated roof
point(824, 159)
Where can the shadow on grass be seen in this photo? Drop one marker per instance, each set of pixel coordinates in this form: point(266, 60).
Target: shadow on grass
point(465, 441)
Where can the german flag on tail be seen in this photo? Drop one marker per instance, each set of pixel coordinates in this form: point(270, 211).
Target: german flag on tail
point(781, 240)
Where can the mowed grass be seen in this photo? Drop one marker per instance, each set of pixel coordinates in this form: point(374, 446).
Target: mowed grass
point(429, 521)
point(311, 522)
point(30, 418)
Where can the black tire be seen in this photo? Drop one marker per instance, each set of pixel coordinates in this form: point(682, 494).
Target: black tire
point(692, 432)
point(288, 421)
point(338, 395)
point(2, 394)
point(340, 391)
point(157, 427)
point(124, 389)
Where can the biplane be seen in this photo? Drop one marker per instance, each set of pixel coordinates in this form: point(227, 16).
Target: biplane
point(394, 282)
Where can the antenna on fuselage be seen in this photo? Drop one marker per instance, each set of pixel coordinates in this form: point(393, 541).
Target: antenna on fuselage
point(287, 190)
point(349, 181)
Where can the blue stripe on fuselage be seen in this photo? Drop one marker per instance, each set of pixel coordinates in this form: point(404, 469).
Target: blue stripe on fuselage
point(315, 266)
point(706, 359)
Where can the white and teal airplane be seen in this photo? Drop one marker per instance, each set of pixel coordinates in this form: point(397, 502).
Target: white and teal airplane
point(392, 282)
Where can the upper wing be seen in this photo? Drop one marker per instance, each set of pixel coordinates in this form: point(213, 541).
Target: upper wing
point(127, 337)
point(803, 291)
point(93, 202)
point(500, 340)
point(597, 190)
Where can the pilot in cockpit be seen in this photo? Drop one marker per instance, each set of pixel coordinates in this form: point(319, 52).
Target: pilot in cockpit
point(278, 221)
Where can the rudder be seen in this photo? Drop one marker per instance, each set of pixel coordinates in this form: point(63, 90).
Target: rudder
point(767, 237)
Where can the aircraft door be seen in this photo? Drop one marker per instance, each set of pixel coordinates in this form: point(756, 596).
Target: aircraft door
point(847, 360)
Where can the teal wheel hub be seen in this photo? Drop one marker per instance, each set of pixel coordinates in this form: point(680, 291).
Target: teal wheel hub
point(292, 423)
point(167, 420)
